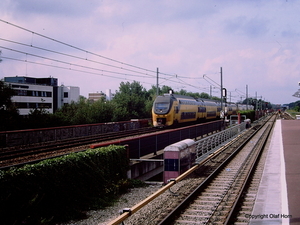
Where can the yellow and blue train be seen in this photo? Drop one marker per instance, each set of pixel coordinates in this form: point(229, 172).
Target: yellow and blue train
point(170, 109)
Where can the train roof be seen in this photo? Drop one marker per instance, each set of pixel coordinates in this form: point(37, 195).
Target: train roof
point(180, 97)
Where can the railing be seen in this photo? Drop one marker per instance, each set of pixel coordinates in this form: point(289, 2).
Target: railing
point(211, 143)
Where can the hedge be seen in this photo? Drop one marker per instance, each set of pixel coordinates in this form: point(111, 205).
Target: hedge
point(61, 187)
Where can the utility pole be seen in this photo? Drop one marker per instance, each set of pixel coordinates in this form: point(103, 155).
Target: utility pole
point(221, 89)
point(256, 100)
point(157, 81)
point(247, 96)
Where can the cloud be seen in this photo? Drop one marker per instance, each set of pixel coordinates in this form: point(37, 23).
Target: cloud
point(255, 42)
point(54, 8)
point(251, 28)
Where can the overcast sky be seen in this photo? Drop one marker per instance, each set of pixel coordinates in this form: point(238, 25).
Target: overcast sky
point(98, 44)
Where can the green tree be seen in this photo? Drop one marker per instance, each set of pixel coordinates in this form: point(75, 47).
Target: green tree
point(130, 102)
point(197, 95)
point(215, 98)
point(67, 113)
point(165, 89)
point(182, 92)
point(85, 112)
point(38, 118)
point(152, 92)
point(101, 111)
point(204, 95)
point(295, 106)
point(6, 92)
point(9, 114)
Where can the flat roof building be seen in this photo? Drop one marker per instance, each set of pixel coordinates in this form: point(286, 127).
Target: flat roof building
point(98, 95)
point(33, 93)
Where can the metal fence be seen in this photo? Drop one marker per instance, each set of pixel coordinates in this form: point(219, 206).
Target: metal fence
point(213, 142)
point(53, 134)
point(152, 143)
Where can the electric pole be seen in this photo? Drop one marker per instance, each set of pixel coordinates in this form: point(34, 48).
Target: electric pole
point(157, 81)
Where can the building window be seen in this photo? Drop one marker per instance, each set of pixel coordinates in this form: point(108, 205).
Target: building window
point(34, 93)
point(32, 105)
point(19, 86)
point(21, 92)
point(21, 105)
point(45, 105)
point(66, 94)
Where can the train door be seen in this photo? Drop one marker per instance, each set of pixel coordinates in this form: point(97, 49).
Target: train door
point(176, 111)
point(201, 111)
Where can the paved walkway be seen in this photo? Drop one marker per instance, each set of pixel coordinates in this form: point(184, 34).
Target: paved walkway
point(278, 200)
point(291, 146)
point(271, 205)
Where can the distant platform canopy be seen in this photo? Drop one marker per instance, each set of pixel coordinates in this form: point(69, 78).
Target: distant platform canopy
point(297, 94)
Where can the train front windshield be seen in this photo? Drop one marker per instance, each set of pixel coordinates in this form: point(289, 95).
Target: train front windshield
point(161, 107)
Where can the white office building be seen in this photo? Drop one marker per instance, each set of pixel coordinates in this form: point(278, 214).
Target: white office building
point(33, 93)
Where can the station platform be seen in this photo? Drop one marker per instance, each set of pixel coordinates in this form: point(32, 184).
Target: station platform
point(278, 199)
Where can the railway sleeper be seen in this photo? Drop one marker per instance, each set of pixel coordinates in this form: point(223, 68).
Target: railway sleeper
point(244, 212)
point(183, 222)
point(219, 184)
point(215, 194)
point(195, 214)
point(207, 210)
point(218, 218)
point(241, 219)
point(208, 197)
point(248, 204)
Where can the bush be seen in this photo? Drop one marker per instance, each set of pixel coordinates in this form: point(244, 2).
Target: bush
point(63, 187)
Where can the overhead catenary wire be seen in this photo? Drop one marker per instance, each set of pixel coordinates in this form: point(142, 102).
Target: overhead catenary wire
point(144, 73)
point(72, 56)
point(63, 62)
point(60, 67)
point(77, 70)
point(82, 71)
point(73, 64)
point(211, 80)
point(86, 51)
point(74, 47)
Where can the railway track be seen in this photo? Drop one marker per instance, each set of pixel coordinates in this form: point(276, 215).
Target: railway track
point(216, 199)
point(286, 116)
point(16, 156)
point(215, 192)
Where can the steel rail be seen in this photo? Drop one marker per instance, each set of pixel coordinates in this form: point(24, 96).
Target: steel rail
point(69, 143)
point(169, 218)
point(127, 212)
point(262, 143)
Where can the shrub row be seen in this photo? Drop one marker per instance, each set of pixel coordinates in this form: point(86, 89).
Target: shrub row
point(61, 187)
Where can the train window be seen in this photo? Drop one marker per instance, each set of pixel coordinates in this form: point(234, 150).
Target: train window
point(162, 106)
point(201, 109)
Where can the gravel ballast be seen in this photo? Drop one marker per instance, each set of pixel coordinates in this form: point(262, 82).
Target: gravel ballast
point(149, 214)
point(128, 200)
